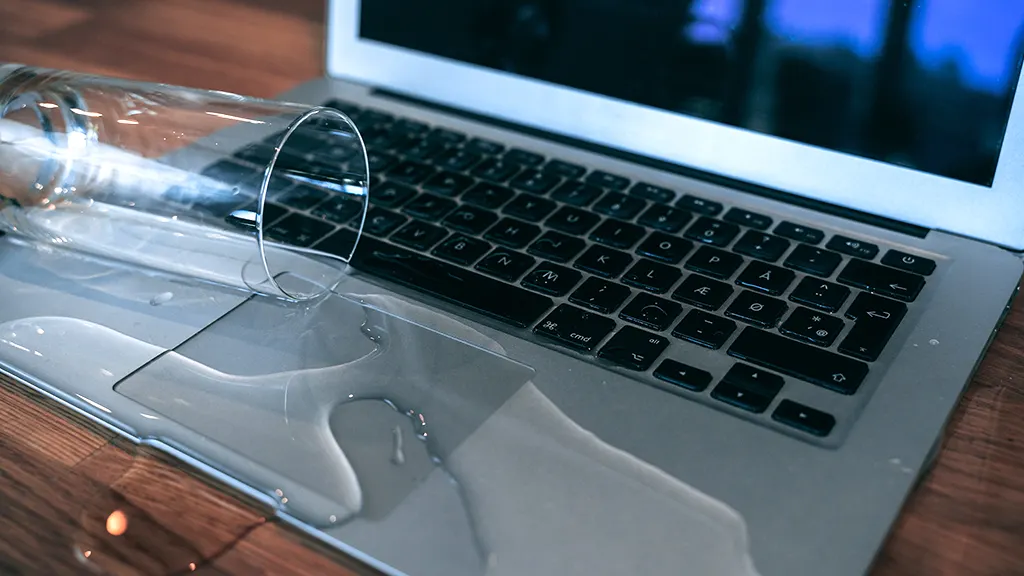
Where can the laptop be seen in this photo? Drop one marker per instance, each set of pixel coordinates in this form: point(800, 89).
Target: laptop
point(645, 287)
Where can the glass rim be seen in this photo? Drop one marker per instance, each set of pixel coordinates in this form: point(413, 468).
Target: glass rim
point(268, 173)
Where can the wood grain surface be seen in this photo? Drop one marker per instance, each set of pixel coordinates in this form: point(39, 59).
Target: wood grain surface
point(61, 478)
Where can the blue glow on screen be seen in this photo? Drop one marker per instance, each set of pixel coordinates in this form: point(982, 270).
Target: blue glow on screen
point(981, 43)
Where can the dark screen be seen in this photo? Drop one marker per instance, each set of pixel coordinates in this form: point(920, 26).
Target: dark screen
point(925, 84)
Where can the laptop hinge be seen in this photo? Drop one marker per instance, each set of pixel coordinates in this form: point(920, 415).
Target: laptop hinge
point(864, 217)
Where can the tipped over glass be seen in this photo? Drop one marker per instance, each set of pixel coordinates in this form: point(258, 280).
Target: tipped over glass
point(254, 194)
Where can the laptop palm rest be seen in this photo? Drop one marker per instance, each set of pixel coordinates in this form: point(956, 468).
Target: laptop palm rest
point(339, 408)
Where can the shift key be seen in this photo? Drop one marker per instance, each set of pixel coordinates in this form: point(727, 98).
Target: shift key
point(799, 360)
point(575, 328)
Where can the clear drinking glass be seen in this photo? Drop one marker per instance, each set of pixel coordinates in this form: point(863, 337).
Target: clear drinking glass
point(261, 195)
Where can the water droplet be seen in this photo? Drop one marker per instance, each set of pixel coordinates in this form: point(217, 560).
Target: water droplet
point(398, 455)
point(933, 342)
point(332, 518)
point(161, 298)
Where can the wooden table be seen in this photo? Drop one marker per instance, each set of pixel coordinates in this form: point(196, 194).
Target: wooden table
point(61, 479)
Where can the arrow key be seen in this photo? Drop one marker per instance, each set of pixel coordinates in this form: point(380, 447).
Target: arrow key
point(741, 397)
point(804, 418)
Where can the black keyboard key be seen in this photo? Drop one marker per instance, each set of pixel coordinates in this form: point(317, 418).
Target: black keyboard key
point(552, 279)
point(504, 302)
point(766, 278)
point(529, 208)
point(391, 195)
point(484, 146)
point(746, 218)
point(711, 231)
point(445, 136)
point(802, 361)
point(418, 235)
point(301, 197)
point(603, 261)
point(665, 248)
point(421, 150)
point(705, 329)
point(651, 312)
point(820, 294)
point(909, 262)
point(488, 196)
point(576, 193)
point(652, 192)
point(411, 126)
point(496, 170)
point(813, 260)
point(741, 397)
point(699, 205)
point(369, 117)
point(505, 264)
point(804, 418)
point(853, 247)
point(617, 234)
point(377, 162)
point(572, 220)
point(652, 276)
point(470, 220)
point(258, 154)
point(338, 209)
point(429, 207)
point(682, 375)
point(575, 328)
point(523, 157)
point(800, 233)
point(756, 309)
point(813, 327)
point(409, 172)
point(703, 292)
point(754, 379)
point(447, 184)
point(512, 233)
point(882, 280)
point(557, 246)
point(535, 182)
point(600, 295)
point(564, 169)
point(607, 181)
point(457, 159)
point(633, 348)
point(665, 218)
point(875, 320)
point(618, 205)
point(230, 172)
point(761, 246)
point(714, 262)
point(381, 222)
point(299, 230)
point(461, 249)
point(347, 108)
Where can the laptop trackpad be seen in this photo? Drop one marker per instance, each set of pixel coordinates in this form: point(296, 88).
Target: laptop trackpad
point(338, 408)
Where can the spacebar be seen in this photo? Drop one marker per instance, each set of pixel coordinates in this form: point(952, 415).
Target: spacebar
point(479, 293)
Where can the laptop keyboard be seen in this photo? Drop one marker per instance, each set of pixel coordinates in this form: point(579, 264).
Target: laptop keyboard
point(614, 269)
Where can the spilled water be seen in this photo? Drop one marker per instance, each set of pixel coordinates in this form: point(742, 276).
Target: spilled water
point(357, 441)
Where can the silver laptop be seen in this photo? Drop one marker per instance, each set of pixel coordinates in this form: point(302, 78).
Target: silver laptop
point(646, 288)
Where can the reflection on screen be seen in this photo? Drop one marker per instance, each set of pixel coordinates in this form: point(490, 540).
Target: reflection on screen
point(926, 84)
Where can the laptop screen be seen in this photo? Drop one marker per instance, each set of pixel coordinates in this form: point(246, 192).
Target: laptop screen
point(925, 84)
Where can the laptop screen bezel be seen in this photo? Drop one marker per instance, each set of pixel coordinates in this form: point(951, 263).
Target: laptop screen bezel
point(920, 198)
